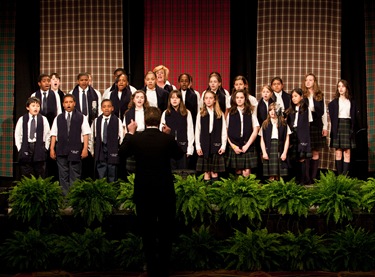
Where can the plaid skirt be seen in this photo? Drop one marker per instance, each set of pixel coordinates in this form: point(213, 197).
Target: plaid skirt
point(274, 166)
point(214, 163)
point(316, 139)
point(242, 160)
point(344, 139)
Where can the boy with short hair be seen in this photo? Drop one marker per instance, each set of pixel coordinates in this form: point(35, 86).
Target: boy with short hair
point(32, 139)
point(107, 135)
point(70, 136)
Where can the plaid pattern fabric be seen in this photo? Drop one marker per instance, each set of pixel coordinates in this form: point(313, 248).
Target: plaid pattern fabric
point(370, 80)
point(7, 27)
point(274, 166)
point(188, 36)
point(299, 38)
point(79, 36)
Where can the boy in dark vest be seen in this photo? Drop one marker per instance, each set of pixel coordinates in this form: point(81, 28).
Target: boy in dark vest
point(69, 142)
point(107, 135)
point(32, 139)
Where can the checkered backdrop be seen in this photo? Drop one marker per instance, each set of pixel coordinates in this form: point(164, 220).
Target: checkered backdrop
point(370, 80)
point(298, 37)
point(79, 36)
point(188, 36)
point(7, 47)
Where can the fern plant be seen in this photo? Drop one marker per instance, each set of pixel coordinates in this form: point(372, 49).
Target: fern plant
point(34, 199)
point(191, 199)
point(305, 251)
point(129, 253)
point(125, 200)
point(368, 194)
point(337, 196)
point(288, 198)
point(253, 251)
point(239, 197)
point(352, 249)
point(87, 251)
point(92, 200)
point(199, 250)
point(28, 251)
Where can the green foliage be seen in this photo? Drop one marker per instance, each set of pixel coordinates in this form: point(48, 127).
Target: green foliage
point(92, 200)
point(192, 202)
point(125, 198)
point(28, 251)
point(32, 200)
point(86, 251)
point(239, 196)
point(287, 198)
point(199, 250)
point(128, 252)
point(337, 197)
point(368, 194)
point(253, 251)
point(305, 251)
point(353, 250)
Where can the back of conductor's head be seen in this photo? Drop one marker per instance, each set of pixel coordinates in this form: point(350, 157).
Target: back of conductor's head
point(152, 116)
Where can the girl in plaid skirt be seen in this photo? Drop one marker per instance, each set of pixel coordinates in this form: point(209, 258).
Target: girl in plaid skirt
point(342, 111)
point(243, 127)
point(318, 128)
point(274, 144)
point(210, 138)
point(299, 118)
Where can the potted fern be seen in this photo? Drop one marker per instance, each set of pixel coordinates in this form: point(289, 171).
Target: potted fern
point(92, 200)
point(128, 252)
point(368, 194)
point(125, 195)
point(33, 200)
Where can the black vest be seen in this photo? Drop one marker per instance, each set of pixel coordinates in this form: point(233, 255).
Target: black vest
point(120, 105)
point(210, 142)
point(91, 96)
point(262, 110)
point(234, 129)
point(191, 103)
point(303, 130)
point(112, 140)
point(267, 135)
point(51, 112)
point(39, 149)
point(69, 145)
point(178, 125)
point(318, 113)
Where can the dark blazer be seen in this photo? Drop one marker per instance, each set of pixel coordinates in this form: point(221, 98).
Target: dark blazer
point(262, 110)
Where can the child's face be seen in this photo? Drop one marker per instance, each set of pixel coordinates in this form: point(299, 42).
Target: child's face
point(341, 88)
point(214, 83)
point(83, 82)
point(160, 75)
point(139, 100)
point(175, 101)
point(122, 82)
point(184, 82)
point(272, 113)
point(239, 84)
point(209, 99)
point(266, 94)
point(309, 81)
point(45, 83)
point(55, 83)
point(107, 108)
point(296, 98)
point(69, 104)
point(150, 81)
point(240, 99)
point(33, 108)
point(277, 86)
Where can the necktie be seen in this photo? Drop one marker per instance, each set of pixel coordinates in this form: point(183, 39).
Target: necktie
point(105, 131)
point(44, 102)
point(84, 103)
point(32, 128)
point(68, 123)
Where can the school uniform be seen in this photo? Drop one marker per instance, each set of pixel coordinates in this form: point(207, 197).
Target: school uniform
point(191, 101)
point(111, 88)
point(120, 100)
point(157, 97)
point(262, 111)
point(210, 136)
point(240, 128)
point(50, 104)
point(274, 138)
point(319, 122)
point(93, 100)
point(223, 98)
point(182, 129)
point(32, 144)
point(69, 145)
point(104, 145)
point(283, 99)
